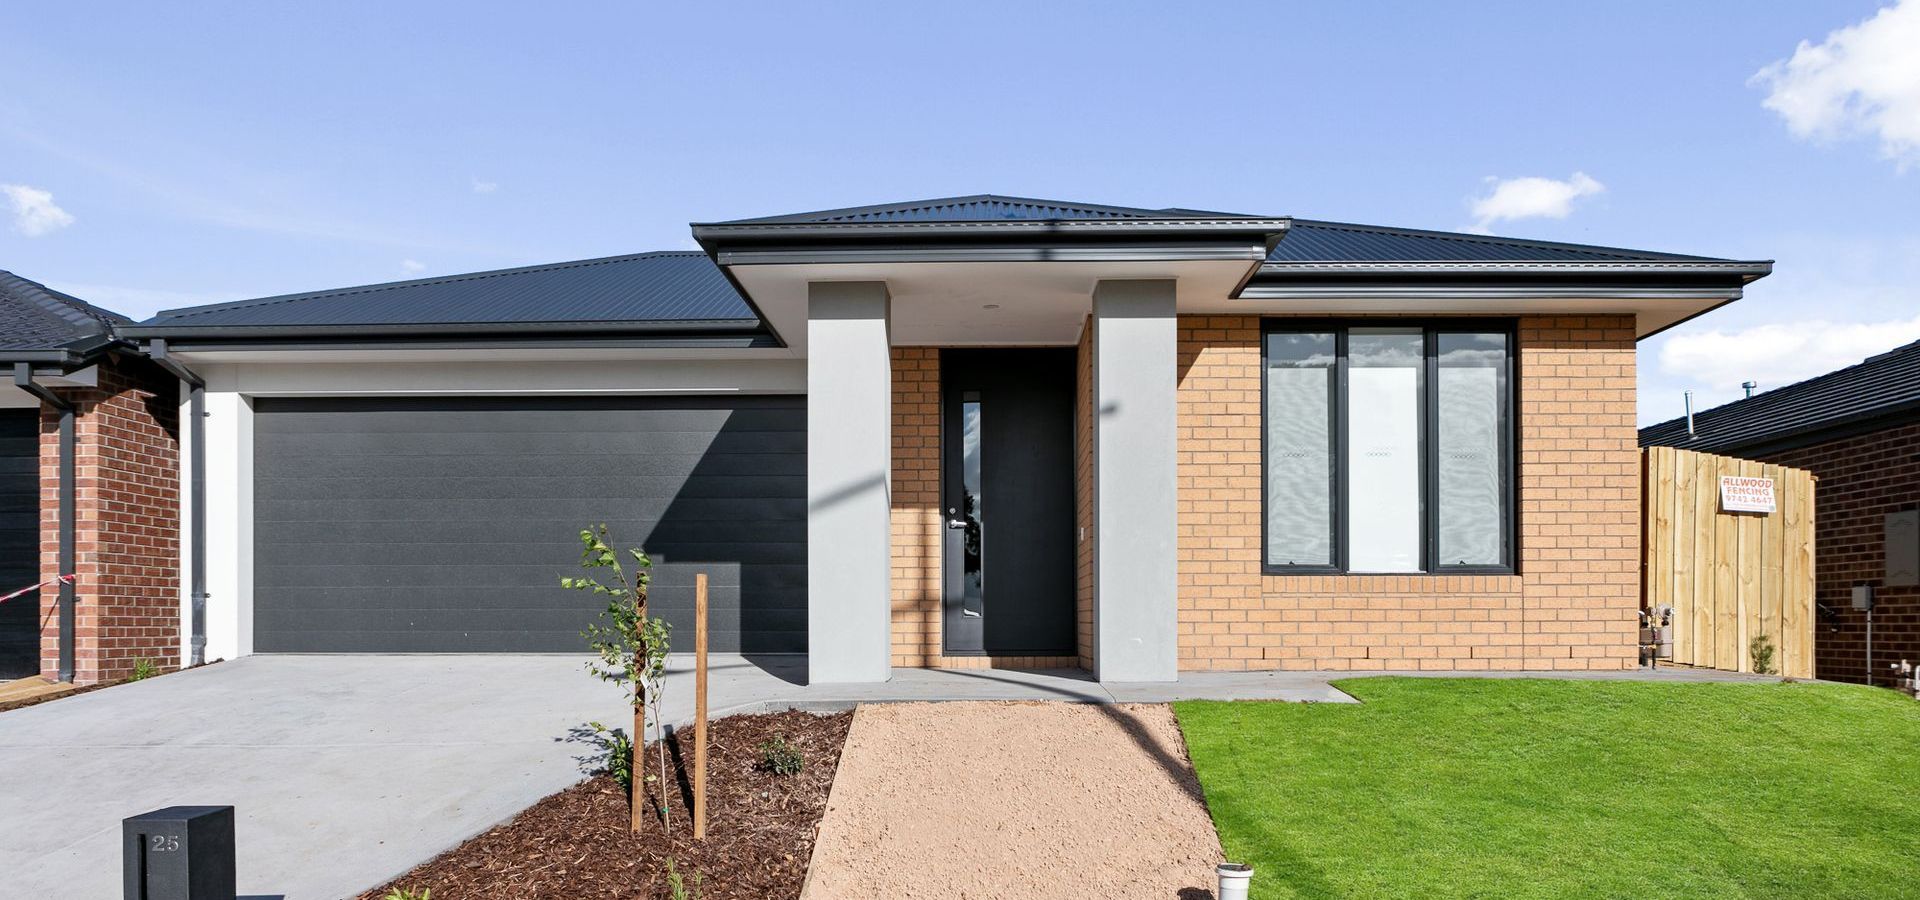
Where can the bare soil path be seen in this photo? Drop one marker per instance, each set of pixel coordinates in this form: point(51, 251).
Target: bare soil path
point(1053, 800)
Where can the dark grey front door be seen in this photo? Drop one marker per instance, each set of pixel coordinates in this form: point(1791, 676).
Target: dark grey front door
point(1007, 473)
point(19, 541)
point(444, 524)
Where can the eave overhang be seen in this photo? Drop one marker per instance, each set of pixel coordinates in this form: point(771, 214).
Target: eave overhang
point(1042, 240)
point(728, 333)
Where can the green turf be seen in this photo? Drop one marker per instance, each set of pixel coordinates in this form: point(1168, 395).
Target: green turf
point(1535, 788)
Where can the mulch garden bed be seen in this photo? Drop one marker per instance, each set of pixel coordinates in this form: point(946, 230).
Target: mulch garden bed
point(576, 843)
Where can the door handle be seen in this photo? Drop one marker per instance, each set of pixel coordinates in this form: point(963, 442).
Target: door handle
point(954, 521)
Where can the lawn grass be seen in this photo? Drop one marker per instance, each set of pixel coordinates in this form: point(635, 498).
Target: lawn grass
point(1537, 788)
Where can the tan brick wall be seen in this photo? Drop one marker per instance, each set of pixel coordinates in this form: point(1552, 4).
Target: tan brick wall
point(1572, 603)
point(127, 523)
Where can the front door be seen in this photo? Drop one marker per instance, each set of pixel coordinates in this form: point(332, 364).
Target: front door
point(1007, 475)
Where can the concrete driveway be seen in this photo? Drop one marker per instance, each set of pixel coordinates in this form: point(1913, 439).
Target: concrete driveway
point(344, 770)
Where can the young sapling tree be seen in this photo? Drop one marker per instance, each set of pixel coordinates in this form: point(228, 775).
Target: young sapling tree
point(631, 647)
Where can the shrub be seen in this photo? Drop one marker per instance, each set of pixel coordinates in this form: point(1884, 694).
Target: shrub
point(143, 669)
point(781, 758)
point(677, 884)
point(1761, 649)
point(409, 894)
point(618, 746)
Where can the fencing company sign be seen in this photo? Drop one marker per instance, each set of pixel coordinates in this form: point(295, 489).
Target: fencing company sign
point(1739, 494)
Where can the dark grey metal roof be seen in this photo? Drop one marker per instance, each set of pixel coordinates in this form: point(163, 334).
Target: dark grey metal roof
point(669, 287)
point(1314, 241)
point(1876, 393)
point(979, 208)
point(34, 317)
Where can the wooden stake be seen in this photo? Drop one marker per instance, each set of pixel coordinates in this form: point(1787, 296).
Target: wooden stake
point(700, 706)
point(637, 766)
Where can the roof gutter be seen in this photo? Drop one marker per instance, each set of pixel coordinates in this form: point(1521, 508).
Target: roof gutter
point(23, 379)
point(411, 329)
point(196, 493)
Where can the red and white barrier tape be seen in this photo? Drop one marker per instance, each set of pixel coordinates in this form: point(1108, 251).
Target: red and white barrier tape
point(64, 579)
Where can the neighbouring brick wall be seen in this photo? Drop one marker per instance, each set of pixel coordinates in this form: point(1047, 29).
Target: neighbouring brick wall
point(127, 523)
point(1083, 496)
point(1570, 606)
point(916, 506)
point(1862, 478)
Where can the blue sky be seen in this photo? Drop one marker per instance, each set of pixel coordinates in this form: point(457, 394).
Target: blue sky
point(158, 156)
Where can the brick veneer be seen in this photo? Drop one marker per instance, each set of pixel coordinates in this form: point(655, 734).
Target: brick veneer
point(127, 523)
point(1862, 478)
point(1570, 606)
point(1083, 495)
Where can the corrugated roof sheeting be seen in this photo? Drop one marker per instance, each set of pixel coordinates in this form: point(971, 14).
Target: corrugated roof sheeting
point(36, 317)
point(1311, 241)
point(1885, 383)
point(671, 286)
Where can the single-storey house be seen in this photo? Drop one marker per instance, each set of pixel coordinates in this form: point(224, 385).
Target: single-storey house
point(975, 431)
point(1857, 429)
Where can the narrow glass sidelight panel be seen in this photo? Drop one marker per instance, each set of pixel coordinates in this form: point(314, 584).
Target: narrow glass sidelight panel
point(1384, 373)
point(1299, 422)
point(1472, 413)
point(973, 598)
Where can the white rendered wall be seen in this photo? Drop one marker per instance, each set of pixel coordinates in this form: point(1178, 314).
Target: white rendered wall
point(1136, 609)
point(849, 464)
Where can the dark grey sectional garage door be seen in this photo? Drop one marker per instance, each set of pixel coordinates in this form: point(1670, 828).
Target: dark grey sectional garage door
point(444, 524)
point(19, 540)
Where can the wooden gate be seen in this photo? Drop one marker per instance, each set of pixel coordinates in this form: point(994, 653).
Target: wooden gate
point(1729, 576)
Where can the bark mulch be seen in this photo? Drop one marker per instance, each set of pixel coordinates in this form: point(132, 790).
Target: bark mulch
point(576, 844)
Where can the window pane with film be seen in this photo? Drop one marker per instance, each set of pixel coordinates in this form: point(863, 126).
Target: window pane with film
point(1384, 369)
point(1299, 423)
point(1472, 392)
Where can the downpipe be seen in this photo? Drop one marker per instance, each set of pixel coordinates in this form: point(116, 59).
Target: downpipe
point(197, 494)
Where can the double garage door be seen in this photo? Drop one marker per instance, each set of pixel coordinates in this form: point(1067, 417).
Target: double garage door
point(444, 525)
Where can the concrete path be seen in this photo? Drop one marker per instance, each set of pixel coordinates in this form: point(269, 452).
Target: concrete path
point(347, 770)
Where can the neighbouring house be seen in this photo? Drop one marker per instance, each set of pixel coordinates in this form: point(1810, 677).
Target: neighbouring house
point(977, 431)
point(89, 487)
point(1858, 431)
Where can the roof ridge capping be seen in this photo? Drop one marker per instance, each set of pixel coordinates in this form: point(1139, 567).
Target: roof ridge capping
point(351, 290)
point(927, 211)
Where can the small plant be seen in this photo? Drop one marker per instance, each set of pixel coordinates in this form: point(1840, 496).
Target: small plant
point(631, 645)
point(1761, 650)
point(409, 894)
point(677, 884)
point(781, 758)
point(143, 669)
point(619, 747)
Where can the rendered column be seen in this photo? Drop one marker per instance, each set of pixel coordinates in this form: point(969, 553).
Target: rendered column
point(1135, 380)
point(849, 459)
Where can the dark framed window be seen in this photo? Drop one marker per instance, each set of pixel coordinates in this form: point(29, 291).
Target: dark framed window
point(1387, 446)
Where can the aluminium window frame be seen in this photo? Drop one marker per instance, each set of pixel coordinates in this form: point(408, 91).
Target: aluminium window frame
point(1429, 494)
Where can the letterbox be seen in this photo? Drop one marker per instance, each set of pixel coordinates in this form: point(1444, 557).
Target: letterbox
point(179, 853)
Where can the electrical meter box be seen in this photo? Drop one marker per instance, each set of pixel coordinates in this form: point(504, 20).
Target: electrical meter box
point(179, 853)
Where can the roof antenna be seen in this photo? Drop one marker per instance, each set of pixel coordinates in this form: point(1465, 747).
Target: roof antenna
point(1749, 386)
point(1689, 395)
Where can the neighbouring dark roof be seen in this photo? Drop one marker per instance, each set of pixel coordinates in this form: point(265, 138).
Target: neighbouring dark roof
point(1314, 241)
point(682, 288)
point(1848, 400)
point(979, 208)
point(34, 317)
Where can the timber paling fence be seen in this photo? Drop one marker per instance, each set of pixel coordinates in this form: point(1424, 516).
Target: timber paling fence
point(1729, 575)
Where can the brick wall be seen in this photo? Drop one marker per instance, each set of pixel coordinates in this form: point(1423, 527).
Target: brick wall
point(1571, 604)
point(127, 523)
point(1862, 478)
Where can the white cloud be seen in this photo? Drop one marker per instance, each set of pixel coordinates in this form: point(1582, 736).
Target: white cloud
point(34, 212)
point(412, 266)
point(485, 187)
point(1779, 353)
point(1531, 197)
point(1863, 80)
